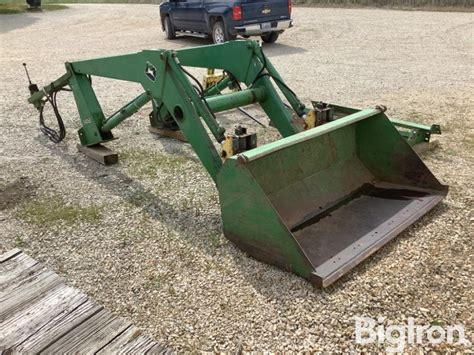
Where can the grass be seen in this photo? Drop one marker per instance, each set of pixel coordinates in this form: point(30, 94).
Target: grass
point(47, 211)
point(215, 240)
point(468, 141)
point(16, 8)
point(172, 291)
point(19, 242)
point(439, 322)
point(144, 163)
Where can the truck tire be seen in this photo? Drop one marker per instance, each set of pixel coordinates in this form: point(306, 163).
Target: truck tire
point(169, 29)
point(220, 34)
point(270, 37)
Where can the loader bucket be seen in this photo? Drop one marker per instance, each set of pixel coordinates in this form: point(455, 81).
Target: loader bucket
point(319, 202)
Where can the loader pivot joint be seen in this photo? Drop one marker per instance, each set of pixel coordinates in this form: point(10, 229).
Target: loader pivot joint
point(320, 114)
point(239, 142)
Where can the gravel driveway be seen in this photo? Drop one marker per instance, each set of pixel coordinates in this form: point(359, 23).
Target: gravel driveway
point(144, 237)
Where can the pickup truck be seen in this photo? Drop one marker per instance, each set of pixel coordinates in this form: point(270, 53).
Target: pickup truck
point(225, 20)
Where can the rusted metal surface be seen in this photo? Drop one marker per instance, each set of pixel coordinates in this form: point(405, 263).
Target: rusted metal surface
point(343, 236)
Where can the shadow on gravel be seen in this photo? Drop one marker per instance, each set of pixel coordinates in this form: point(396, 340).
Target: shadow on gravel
point(279, 49)
point(189, 41)
point(134, 192)
point(16, 21)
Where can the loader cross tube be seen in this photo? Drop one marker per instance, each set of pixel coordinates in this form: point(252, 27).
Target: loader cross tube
point(232, 100)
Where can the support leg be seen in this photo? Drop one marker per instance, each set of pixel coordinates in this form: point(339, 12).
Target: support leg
point(90, 112)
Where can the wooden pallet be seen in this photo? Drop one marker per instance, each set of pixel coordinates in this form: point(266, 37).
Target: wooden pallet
point(40, 313)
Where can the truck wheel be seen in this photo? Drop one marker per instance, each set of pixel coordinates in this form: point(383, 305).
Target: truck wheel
point(169, 29)
point(270, 38)
point(219, 33)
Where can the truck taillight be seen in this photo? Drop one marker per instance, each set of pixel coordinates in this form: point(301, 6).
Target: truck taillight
point(290, 6)
point(237, 13)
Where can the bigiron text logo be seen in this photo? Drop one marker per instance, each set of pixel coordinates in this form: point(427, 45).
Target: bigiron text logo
point(397, 336)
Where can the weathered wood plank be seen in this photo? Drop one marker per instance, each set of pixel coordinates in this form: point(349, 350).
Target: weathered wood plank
point(14, 266)
point(91, 335)
point(132, 341)
point(99, 153)
point(16, 278)
point(39, 313)
point(58, 327)
point(9, 254)
point(31, 286)
point(159, 349)
point(23, 324)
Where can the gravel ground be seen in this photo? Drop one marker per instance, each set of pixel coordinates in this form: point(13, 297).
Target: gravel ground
point(144, 237)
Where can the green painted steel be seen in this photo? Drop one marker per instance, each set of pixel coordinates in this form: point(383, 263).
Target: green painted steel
point(90, 112)
point(232, 100)
point(415, 133)
point(125, 112)
point(273, 197)
point(59, 83)
point(307, 135)
point(239, 58)
point(202, 109)
point(434, 128)
point(315, 202)
point(252, 222)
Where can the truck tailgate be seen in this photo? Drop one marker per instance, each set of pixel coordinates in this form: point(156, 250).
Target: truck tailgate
point(254, 11)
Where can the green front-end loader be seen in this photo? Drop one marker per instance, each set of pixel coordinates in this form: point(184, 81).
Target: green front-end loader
point(339, 185)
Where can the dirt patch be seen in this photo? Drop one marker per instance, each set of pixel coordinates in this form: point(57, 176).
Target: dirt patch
point(16, 192)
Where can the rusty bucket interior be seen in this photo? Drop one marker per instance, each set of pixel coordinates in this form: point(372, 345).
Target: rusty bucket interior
point(321, 201)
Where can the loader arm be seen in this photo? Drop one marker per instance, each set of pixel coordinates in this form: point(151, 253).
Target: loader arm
point(162, 76)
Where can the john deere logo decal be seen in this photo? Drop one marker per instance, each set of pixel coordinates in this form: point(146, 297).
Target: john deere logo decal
point(150, 71)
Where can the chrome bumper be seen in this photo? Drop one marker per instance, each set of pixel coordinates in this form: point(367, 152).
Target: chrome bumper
point(265, 27)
